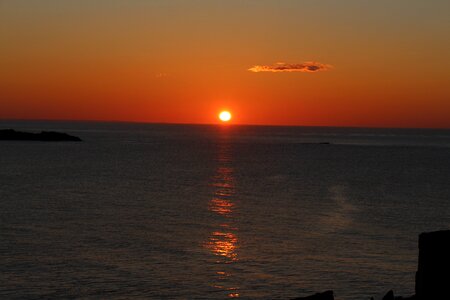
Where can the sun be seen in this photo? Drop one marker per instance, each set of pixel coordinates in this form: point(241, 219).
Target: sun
point(225, 116)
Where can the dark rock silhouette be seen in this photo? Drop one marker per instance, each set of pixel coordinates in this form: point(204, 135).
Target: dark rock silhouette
point(433, 272)
point(47, 136)
point(328, 295)
point(389, 295)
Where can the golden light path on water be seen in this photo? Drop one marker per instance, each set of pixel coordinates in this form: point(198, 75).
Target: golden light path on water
point(223, 241)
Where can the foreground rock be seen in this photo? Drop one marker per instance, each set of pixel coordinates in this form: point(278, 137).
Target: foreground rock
point(433, 273)
point(328, 295)
point(47, 136)
point(390, 296)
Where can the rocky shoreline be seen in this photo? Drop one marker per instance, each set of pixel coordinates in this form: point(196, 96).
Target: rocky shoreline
point(433, 272)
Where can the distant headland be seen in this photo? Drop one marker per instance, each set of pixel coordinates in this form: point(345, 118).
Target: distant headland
point(45, 136)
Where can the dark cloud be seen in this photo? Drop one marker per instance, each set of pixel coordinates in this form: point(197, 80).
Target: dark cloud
point(308, 67)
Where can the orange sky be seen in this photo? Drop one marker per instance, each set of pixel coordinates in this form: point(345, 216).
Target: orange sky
point(379, 63)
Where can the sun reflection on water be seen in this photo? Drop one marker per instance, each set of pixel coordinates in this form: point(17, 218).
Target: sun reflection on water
point(221, 206)
point(223, 241)
point(224, 244)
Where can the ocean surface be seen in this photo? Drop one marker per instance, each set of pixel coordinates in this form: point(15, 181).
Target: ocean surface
point(151, 211)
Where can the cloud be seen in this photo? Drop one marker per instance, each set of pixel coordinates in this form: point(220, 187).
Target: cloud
point(307, 67)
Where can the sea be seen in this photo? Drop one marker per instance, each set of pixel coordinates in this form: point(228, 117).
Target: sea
point(161, 211)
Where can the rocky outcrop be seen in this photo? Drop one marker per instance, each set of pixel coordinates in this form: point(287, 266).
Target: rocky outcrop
point(46, 136)
point(433, 272)
point(390, 296)
point(328, 295)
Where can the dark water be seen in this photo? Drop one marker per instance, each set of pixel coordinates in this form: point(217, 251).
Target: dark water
point(209, 212)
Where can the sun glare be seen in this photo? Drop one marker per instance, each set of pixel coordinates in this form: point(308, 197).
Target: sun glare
point(225, 116)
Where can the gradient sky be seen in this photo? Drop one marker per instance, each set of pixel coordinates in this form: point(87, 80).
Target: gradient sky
point(372, 63)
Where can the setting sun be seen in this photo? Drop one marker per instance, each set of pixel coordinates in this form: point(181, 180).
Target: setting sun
point(225, 116)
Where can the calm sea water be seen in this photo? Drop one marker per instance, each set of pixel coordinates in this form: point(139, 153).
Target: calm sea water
point(210, 212)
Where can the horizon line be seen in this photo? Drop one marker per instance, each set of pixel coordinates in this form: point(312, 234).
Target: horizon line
point(215, 124)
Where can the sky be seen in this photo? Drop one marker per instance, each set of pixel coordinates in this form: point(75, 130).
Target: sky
point(361, 63)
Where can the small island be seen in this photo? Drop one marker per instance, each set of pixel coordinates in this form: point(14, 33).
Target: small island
point(45, 136)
